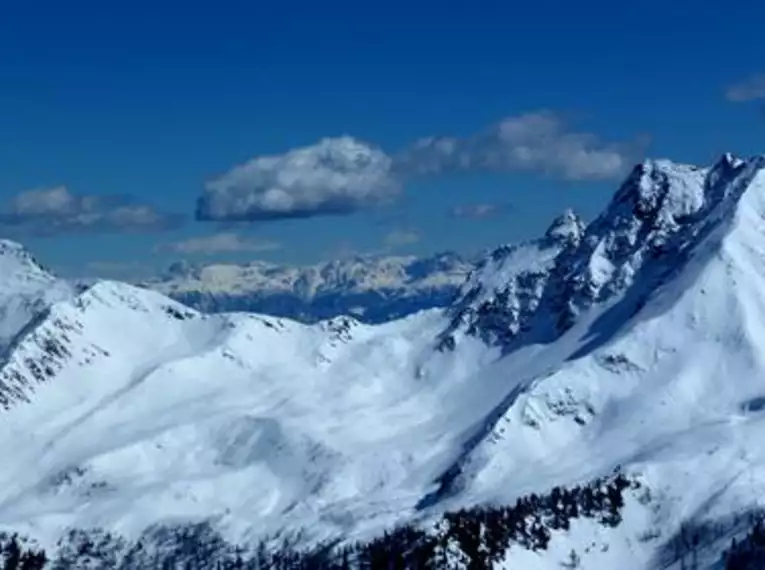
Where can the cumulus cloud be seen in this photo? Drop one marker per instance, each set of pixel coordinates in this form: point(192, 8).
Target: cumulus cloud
point(534, 142)
point(54, 211)
point(225, 242)
point(400, 238)
point(335, 176)
point(476, 211)
point(750, 89)
point(342, 175)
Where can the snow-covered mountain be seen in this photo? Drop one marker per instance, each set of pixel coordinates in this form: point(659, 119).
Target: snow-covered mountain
point(504, 291)
point(26, 290)
point(373, 289)
point(635, 343)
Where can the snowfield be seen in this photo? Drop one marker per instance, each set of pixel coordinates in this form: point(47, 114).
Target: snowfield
point(142, 409)
point(637, 341)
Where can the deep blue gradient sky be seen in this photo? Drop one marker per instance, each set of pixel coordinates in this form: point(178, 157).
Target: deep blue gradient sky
point(154, 99)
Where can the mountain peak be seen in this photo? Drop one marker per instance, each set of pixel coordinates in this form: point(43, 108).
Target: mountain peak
point(7, 245)
point(11, 251)
point(19, 269)
point(26, 289)
point(658, 195)
point(660, 212)
point(729, 160)
point(567, 227)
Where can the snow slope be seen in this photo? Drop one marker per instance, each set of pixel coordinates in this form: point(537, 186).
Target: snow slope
point(26, 289)
point(665, 376)
point(128, 408)
point(636, 341)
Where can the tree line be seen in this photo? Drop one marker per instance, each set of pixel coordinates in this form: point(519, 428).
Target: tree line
point(748, 553)
point(469, 539)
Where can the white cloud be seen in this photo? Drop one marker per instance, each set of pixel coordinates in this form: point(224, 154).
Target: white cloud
point(334, 176)
point(533, 142)
point(226, 242)
point(342, 175)
point(751, 89)
point(400, 238)
point(53, 211)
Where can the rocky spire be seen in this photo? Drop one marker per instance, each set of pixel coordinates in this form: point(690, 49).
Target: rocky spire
point(566, 228)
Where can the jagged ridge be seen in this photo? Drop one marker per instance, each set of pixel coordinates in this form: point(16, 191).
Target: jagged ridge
point(660, 212)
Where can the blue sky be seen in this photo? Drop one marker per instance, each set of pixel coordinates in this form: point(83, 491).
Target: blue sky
point(116, 120)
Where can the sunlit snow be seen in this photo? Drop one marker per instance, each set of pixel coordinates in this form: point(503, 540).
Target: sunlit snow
point(635, 343)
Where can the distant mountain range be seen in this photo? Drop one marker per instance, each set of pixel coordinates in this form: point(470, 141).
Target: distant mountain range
point(371, 289)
